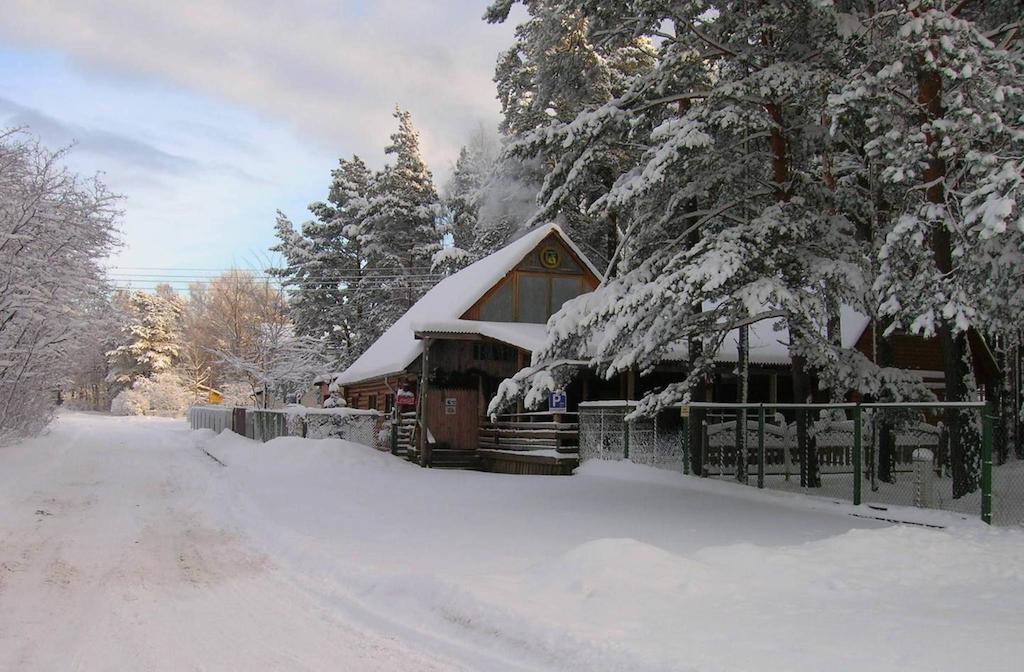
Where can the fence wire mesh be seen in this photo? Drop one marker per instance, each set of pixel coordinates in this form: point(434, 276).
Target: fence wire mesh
point(878, 455)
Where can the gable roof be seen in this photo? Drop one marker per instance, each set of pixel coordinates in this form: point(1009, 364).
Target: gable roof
point(449, 299)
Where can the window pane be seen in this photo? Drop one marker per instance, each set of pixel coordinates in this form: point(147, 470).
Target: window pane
point(533, 298)
point(563, 289)
point(498, 308)
point(567, 264)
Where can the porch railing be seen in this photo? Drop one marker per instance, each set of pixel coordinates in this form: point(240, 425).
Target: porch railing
point(531, 431)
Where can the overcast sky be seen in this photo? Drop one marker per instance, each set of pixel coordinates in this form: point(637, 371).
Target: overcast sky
point(209, 115)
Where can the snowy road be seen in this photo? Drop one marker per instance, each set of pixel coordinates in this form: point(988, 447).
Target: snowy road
point(124, 547)
point(118, 553)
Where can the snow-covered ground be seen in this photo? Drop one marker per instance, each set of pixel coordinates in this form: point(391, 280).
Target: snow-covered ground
point(325, 554)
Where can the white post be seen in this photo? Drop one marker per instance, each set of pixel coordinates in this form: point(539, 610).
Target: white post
point(923, 477)
point(787, 438)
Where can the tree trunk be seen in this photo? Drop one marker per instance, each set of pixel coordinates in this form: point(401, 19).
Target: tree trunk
point(1000, 394)
point(886, 451)
point(955, 355)
point(1016, 362)
point(805, 444)
point(696, 349)
point(742, 384)
point(964, 438)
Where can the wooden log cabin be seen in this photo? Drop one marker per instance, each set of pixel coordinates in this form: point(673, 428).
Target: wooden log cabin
point(447, 355)
point(450, 351)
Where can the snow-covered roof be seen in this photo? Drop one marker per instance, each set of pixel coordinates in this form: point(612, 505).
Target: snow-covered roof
point(440, 310)
point(768, 346)
point(448, 300)
point(529, 337)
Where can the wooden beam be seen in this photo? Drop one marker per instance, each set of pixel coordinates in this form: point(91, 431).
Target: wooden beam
point(424, 388)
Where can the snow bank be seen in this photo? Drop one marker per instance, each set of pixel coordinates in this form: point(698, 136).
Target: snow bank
point(624, 567)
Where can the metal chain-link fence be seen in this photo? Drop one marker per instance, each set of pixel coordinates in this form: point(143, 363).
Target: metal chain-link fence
point(879, 455)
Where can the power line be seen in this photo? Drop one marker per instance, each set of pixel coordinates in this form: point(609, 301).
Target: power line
point(222, 270)
point(307, 278)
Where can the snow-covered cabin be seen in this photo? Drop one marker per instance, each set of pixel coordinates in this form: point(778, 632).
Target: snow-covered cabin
point(480, 326)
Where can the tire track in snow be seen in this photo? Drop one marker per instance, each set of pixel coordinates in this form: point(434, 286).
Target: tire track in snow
point(138, 564)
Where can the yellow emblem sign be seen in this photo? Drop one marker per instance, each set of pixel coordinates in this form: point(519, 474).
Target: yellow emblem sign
point(549, 257)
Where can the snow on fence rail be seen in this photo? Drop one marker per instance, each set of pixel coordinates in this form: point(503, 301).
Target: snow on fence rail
point(366, 427)
point(910, 466)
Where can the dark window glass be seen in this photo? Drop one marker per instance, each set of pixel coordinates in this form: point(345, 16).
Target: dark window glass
point(533, 299)
point(567, 264)
point(563, 289)
point(498, 308)
point(372, 402)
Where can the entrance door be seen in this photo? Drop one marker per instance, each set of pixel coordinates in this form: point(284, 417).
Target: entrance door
point(452, 417)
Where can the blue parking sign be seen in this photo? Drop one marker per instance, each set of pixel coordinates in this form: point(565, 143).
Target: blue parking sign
point(557, 401)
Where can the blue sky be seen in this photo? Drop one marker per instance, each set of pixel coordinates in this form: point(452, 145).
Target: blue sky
point(208, 116)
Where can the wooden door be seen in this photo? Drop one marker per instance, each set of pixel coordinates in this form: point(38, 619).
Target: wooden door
point(453, 417)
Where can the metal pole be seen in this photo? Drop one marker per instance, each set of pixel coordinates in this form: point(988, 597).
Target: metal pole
point(857, 459)
point(625, 433)
point(986, 465)
point(684, 413)
point(760, 447)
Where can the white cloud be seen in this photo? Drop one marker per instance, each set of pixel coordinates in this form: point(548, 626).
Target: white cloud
point(332, 69)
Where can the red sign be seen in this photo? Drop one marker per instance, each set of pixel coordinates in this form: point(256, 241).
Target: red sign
point(405, 398)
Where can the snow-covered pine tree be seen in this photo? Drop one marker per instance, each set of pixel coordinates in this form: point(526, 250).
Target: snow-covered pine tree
point(508, 202)
point(151, 336)
point(307, 298)
point(738, 88)
point(942, 102)
point(325, 270)
point(462, 198)
point(402, 233)
point(556, 69)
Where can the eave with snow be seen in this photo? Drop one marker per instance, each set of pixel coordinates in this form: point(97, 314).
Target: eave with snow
point(480, 326)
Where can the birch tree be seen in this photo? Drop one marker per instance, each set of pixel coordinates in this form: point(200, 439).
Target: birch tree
point(55, 229)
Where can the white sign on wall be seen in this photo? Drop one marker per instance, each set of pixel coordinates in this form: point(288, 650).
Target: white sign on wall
point(451, 405)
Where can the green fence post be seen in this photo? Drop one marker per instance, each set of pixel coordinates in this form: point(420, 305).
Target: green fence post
point(856, 455)
point(986, 464)
point(760, 447)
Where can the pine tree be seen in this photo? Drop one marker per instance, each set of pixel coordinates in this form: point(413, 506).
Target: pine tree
point(325, 272)
point(151, 333)
point(402, 234)
point(463, 196)
point(730, 213)
point(555, 70)
point(942, 104)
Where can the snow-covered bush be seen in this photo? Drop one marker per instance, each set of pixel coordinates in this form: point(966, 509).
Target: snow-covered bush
point(163, 394)
point(129, 402)
point(167, 394)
